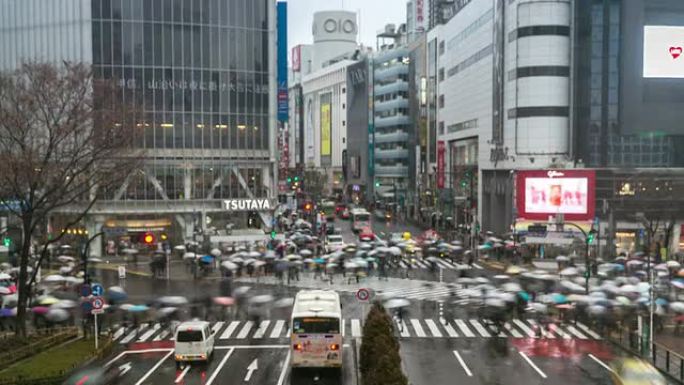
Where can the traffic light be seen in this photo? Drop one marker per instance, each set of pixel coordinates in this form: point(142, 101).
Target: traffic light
point(7, 241)
point(273, 234)
point(163, 236)
point(307, 207)
point(377, 183)
point(148, 238)
point(296, 178)
point(289, 179)
point(591, 236)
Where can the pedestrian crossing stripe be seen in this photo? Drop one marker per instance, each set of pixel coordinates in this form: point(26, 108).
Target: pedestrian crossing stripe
point(353, 328)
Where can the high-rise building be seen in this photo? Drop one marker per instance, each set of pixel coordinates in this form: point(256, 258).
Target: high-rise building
point(203, 72)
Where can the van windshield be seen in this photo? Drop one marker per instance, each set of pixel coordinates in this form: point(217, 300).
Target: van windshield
point(189, 336)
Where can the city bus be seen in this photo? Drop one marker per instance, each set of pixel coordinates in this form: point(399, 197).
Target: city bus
point(316, 339)
point(328, 208)
point(360, 219)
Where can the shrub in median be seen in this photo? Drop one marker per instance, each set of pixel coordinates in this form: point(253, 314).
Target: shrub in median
point(380, 363)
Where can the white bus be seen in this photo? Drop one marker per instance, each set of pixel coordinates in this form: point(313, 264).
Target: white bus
point(360, 219)
point(316, 339)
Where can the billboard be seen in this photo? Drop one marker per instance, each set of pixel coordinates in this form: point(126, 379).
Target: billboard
point(663, 52)
point(441, 149)
point(542, 193)
point(283, 106)
point(297, 58)
point(325, 124)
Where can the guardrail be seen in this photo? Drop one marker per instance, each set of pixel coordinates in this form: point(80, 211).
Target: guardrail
point(667, 361)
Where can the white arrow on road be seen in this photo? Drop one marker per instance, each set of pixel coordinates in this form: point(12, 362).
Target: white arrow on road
point(250, 369)
point(124, 368)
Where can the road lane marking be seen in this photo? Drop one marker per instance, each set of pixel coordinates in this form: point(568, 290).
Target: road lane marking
point(219, 367)
point(588, 331)
point(162, 335)
point(512, 330)
point(432, 293)
point(118, 333)
point(450, 329)
point(129, 337)
point(245, 330)
point(217, 326)
point(149, 333)
point(259, 333)
point(182, 374)
point(281, 379)
point(558, 330)
point(356, 328)
point(141, 351)
point(433, 328)
point(527, 330)
point(544, 332)
point(463, 364)
point(154, 368)
point(418, 328)
point(342, 330)
point(403, 329)
point(464, 328)
point(601, 363)
point(480, 329)
point(278, 328)
point(229, 330)
point(535, 367)
point(576, 332)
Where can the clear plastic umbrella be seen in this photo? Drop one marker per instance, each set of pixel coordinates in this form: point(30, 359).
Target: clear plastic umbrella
point(261, 299)
point(215, 252)
point(189, 256)
point(397, 303)
point(65, 258)
point(54, 278)
point(57, 315)
point(229, 265)
point(173, 300)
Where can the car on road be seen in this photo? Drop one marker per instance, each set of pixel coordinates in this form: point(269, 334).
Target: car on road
point(333, 242)
point(345, 214)
point(366, 235)
point(194, 341)
point(395, 238)
point(633, 371)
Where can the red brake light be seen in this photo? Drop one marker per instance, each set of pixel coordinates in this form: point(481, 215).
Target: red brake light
point(297, 347)
point(334, 347)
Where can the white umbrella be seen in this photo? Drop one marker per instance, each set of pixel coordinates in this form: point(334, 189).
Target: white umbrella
point(65, 304)
point(53, 278)
point(673, 264)
point(4, 276)
point(562, 258)
point(229, 265)
point(494, 302)
point(57, 315)
point(129, 251)
point(283, 303)
point(259, 263)
point(397, 303)
point(253, 254)
point(240, 291)
point(394, 250)
point(569, 272)
point(173, 300)
point(677, 307)
point(65, 269)
point(73, 280)
point(511, 287)
point(94, 260)
point(261, 299)
point(306, 253)
point(215, 252)
point(189, 256)
point(65, 258)
point(179, 247)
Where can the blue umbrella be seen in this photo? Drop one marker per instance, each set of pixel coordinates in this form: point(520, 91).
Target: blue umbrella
point(558, 298)
point(661, 302)
point(523, 294)
point(207, 259)
point(319, 260)
point(138, 308)
point(8, 312)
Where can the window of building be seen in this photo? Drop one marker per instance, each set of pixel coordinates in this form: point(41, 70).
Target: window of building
point(441, 101)
point(441, 128)
point(344, 89)
point(442, 48)
point(539, 30)
point(529, 112)
point(466, 125)
point(440, 76)
point(523, 72)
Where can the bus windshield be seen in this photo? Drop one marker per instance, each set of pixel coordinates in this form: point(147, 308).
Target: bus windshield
point(314, 325)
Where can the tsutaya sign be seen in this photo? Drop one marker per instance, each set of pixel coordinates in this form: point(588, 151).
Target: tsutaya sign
point(247, 204)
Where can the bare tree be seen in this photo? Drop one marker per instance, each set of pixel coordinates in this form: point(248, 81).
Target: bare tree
point(65, 138)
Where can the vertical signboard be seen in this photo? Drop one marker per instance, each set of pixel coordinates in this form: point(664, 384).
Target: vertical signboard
point(297, 58)
point(371, 130)
point(498, 83)
point(326, 100)
point(282, 62)
point(309, 128)
point(441, 149)
point(420, 15)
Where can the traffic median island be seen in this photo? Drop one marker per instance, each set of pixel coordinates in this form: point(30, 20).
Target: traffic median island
point(51, 366)
point(380, 362)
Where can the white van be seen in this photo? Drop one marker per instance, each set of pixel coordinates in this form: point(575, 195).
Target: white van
point(194, 342)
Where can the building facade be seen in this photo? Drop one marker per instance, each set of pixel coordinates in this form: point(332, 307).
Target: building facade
point(204, 75)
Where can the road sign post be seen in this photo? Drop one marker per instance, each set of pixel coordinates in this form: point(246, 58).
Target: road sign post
point(98, 305)
point(97, 290)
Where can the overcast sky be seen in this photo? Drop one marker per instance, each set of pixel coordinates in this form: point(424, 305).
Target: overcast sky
point(374, 15)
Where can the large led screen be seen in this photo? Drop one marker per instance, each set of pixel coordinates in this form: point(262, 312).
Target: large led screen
point(663, 52)
point(550, 192)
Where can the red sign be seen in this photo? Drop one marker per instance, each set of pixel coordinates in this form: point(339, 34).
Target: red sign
point(542, 193)
point(297, 58)
point(419, 11)
point(441, 148)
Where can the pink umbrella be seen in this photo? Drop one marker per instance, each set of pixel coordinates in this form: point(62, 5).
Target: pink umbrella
point(224, 301)
point(41, 310)
point(4, 290)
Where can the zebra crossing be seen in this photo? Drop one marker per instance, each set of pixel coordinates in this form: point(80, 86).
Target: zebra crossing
point(353, 328)
point(418, 263)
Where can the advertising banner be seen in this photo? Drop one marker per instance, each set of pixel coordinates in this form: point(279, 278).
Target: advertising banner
point(441, 149)
point(283, 107)
point(663, 52)
point(542, 193)
point(325, 124)
point(297, 58)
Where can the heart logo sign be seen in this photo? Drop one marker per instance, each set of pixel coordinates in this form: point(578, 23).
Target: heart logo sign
point(675, 52)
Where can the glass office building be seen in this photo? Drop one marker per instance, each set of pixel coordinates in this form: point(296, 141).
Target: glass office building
point(203, 74)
